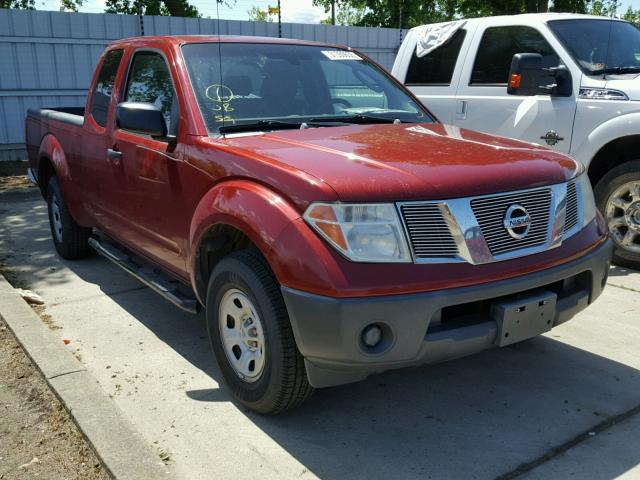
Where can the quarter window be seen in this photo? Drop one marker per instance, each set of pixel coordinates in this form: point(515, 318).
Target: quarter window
point(497, 48)
point(436, 67)
point(104, 86)
point(150, 82)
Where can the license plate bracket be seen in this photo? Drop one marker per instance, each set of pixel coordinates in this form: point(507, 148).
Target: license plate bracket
point(522, 317)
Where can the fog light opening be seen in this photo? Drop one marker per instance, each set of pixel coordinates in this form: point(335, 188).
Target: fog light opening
point(375, 338)
point(371, 336)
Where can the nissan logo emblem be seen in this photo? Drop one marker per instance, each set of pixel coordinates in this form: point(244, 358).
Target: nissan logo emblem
point(517, 221)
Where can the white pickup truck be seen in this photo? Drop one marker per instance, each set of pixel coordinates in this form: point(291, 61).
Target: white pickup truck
point(565, 80)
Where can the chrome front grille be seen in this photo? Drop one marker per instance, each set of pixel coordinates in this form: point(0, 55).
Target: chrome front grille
point(490, 213)
point(428, 232)
point(571, 215)
point(474, 230)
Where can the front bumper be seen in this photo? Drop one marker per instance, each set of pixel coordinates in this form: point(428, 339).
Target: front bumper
point(426, 327)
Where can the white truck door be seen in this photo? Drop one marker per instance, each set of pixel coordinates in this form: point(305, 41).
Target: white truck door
point(482, 101)
point(434, 77)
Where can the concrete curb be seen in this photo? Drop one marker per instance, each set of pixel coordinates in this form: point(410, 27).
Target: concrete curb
point(120, 448)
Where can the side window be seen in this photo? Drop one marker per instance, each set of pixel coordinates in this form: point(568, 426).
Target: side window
point(150, 82)
point(497, 48)
point(104, 86)
point(436, 67)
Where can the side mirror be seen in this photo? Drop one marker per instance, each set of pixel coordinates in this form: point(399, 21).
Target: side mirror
point(564, 82)
point(140, 117)
point(528, 77)
point(524, 74)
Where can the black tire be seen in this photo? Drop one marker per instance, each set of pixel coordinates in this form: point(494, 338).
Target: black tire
point(283, 382)
point(614, 179)
point(70, 239)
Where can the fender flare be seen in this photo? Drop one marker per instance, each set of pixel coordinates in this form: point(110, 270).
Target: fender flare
point(613, 129)
point(250, 207)
point(51, 149)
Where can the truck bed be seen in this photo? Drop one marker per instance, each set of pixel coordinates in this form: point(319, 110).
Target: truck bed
point(71, 115)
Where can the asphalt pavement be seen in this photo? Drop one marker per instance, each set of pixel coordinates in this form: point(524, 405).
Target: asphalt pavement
point(564, 404)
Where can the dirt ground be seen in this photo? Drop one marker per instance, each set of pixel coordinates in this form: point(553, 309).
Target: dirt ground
point(13, 176)
point(17, 168)
point(38, 439)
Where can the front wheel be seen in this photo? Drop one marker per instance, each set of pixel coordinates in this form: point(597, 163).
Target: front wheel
point(251, 335)
point(618, 198)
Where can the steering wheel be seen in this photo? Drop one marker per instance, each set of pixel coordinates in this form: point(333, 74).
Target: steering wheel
point(339, 101)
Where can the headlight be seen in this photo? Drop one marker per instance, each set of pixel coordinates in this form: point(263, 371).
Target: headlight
point(593, 93)
point(588, 202)
point(361, 232)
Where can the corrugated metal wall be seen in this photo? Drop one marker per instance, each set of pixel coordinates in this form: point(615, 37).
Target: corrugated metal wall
point(47, 58)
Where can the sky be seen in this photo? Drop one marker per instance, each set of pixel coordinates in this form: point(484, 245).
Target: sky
point(295, 11)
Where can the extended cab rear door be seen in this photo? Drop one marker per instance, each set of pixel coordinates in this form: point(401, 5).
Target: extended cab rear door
point(482, 101)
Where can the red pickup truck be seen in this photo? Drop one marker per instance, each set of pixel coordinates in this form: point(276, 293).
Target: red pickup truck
point(328, 224)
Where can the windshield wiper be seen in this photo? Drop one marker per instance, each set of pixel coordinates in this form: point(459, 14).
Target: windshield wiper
point(261, 125)
point(361, 118)
point(620, 70)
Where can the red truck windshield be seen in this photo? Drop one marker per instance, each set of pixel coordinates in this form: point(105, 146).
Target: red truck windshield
point(241, 83)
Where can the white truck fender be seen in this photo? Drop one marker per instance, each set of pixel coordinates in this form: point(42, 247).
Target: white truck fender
point(617, 127)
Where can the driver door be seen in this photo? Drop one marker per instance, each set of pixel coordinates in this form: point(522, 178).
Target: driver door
point(153, 212)
point(482, 102)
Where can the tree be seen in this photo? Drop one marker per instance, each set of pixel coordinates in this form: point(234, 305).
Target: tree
point(346, 16)
point(257, 15)
point(386, 13)
point(176, 8)
point(605, 8)
point(632, 16)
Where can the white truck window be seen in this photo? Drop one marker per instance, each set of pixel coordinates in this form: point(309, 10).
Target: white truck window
point(499, 45)
point(436, 67)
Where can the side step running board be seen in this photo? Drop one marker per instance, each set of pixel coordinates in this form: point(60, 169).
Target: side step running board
point(155, 280)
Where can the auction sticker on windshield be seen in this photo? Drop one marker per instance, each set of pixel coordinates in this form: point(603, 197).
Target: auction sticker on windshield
point(341, 55)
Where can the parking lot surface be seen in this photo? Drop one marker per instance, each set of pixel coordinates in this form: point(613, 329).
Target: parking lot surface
point(504, 412)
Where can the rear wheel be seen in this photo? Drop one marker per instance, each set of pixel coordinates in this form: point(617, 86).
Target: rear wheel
point(618, 198)
point(70, 239)
point(251, 335)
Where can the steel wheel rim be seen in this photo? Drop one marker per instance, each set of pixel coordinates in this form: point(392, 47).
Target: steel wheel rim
point(56, 220)
point(623, 216)
point(242, 335)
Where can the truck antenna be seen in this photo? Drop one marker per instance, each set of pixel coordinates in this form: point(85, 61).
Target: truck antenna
point(219, 53)
point(606, 53)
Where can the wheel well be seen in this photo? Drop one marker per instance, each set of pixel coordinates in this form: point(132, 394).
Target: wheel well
point(614, 153)
point(45, 172)
point(218, 242)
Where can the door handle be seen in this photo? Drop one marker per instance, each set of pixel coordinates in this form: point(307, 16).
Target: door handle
point(461, 109)
point(114, 156)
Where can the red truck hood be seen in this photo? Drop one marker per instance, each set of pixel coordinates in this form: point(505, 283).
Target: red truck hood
point(408, 162)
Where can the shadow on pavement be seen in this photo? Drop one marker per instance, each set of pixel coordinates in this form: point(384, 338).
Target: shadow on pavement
point(616, 271)
point(452, 420)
